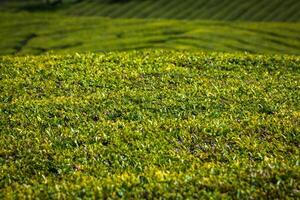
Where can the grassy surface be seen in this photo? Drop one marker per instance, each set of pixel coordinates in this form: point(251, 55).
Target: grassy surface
point(242, 10)
point(41, 33)
point(148, 124)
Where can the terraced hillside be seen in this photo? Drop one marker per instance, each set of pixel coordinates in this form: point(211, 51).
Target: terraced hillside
point(242, 10)
point(39, 33)
point(149, 124)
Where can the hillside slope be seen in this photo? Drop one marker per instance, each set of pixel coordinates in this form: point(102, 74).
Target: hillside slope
point(38, 33)
point(149, 124)
point(228, 10)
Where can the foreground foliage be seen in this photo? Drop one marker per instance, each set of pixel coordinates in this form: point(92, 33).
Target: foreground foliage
point(150, 124)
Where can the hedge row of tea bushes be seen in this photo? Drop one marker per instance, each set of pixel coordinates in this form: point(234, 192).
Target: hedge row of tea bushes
point(150, 124)
point(227, 10)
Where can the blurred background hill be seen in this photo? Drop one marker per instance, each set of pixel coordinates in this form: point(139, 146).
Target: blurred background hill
point(254, 26)
point(241, 10)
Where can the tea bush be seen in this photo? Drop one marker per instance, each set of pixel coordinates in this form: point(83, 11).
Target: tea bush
point(150, 124)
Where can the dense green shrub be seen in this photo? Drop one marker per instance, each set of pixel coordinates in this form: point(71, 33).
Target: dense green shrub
point(149, 124)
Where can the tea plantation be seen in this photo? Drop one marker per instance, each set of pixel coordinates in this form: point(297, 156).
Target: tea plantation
point(150, 99)
point(228, 10)
point(150, 124)
point(40, 33)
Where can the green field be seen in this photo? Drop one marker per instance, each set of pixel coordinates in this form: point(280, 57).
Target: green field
point(150, 124)
point(150, 99)
point(40, 33)
point(265, 26)
point(250, 10)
